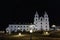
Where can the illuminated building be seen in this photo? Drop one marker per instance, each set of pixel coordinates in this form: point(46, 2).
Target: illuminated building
point(40, 23)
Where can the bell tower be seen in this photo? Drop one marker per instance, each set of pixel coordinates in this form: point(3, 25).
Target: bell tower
point(46, 18)
point(36, 17)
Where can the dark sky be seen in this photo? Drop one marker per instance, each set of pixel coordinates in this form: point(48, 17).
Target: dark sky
point(23, 11)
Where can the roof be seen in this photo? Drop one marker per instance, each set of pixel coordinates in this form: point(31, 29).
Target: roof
point(21, 24)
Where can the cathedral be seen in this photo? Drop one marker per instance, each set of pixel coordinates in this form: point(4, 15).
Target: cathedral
point(40, 23)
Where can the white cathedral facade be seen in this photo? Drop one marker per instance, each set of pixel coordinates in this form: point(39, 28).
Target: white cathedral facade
point(40, 23)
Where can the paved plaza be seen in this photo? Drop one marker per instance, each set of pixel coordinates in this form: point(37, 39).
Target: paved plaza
point(34, 36)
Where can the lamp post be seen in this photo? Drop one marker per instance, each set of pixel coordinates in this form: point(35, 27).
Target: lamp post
point(54, 26)
point(31, 34)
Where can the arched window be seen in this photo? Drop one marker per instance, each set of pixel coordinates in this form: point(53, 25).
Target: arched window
point(46, 26)
point(41, 23)
point(36, 16)
point(36, 19)
point(46, 23)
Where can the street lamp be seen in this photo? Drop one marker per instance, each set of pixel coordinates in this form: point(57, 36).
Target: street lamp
point(54, 26)
point(19, 34)
point(31, 34)
point(31, 31)
point(18, 28)
point(46, 33)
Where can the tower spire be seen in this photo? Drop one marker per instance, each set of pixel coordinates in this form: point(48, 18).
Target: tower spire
point(45, 13)
point(36, 13)
point(36, 18)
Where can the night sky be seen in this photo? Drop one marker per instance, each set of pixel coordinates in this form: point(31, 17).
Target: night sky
point(22, 11)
